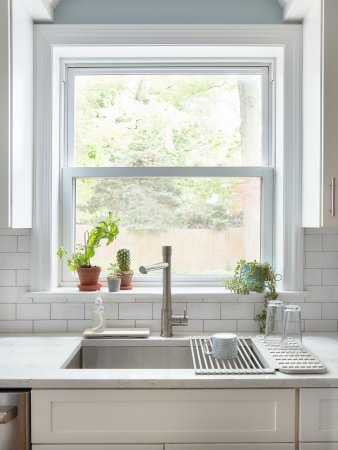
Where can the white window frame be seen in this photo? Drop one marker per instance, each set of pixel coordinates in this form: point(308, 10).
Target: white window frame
point(55, 44)
point(70, 173)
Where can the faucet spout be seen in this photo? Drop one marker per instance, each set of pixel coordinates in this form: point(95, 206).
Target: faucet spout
point(168, 320)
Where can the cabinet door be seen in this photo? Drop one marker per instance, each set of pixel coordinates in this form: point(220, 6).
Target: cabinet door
point(230, 447)
point(319, 415)
point(98, 447)
point(319, 446)
point(152, 416)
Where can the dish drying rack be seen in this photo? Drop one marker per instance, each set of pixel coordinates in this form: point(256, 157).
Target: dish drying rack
point(255, 357)
point(247, 362)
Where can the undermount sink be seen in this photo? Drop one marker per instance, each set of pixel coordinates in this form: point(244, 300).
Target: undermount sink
point(132, 354)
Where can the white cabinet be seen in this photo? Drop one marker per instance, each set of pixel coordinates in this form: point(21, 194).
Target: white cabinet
point(319, 417)
point(98, 447)
point(320, 110)
point(163, 416)
point(229, 447)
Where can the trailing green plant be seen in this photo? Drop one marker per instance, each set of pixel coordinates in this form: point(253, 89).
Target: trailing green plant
point(255, 277)
point(114, 270)
point(123, 259)
point(107, 229)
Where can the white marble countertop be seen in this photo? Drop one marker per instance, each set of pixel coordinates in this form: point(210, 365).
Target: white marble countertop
point(35, 361)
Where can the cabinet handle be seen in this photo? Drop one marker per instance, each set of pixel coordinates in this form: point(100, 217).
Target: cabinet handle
point(7, 413)
point(333, 196)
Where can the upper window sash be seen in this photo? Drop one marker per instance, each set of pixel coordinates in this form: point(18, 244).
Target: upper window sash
point(173, 66)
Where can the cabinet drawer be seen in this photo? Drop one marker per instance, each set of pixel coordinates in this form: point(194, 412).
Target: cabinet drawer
point(230, 447)
point(167, 416)
point(319, 415)
point(98, 447)
point(319, 445)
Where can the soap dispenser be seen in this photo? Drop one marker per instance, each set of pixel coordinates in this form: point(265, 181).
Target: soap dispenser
point(98, 316)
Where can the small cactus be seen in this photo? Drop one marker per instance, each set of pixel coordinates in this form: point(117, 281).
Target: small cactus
point(123, 259)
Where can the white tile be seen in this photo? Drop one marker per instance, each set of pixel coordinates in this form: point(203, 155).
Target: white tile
point(177, 308)
point(120, 323)
point(14, 260)
point(50, 326)
point(252, 297)
point(220, 325)
point(23, 278)
point(8, 244)
point(321, 260)
point(135, 311)
point(16, 326)
point(7, 311)
point(67, 311)
point(247, 325)
point(24, 244)
point(320, 325)
point(309, 310)
point(193, 326)
point(330, 310)
point(78, 325)
point(330, 242)
point(111, 310)
point(330, 277)
point(15, 231)
point(7, 278)
point(237, 311)
point(49, 299)
point(186, 298)
point(312, 277)
point(32, 311)
point(313, 243)
point(221, 298)
point(13, 294)
point(258, 308)
point(153, 325)
point(204, 310)
point(320, 294)
point(290, 296)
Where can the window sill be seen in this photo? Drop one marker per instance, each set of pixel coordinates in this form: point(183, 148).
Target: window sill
point(154, 294)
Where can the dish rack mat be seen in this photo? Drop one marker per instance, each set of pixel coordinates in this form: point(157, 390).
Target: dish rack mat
point(247, 362)
point(293, 358)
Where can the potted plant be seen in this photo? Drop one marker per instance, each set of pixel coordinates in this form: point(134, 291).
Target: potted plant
point(123, 261)
point(255, 277)
point(114, 278)
point(80, 260)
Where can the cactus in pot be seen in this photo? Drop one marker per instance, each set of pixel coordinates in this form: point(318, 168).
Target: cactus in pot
point(123, 260)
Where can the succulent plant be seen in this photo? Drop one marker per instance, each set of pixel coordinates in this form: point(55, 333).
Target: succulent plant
point(123, 259)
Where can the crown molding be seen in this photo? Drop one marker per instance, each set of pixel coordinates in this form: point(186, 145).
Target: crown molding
point(41, 10)
point(295, 10)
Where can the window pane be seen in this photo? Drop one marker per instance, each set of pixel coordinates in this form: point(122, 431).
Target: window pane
point(168, 120)
point(210, 222)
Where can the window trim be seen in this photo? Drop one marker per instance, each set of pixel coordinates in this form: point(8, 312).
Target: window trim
point(55, 42)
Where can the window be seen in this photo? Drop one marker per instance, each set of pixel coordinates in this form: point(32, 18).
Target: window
point(181, 153)
point(203, 50)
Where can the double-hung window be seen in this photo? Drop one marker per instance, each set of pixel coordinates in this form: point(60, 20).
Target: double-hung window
point(181, 151)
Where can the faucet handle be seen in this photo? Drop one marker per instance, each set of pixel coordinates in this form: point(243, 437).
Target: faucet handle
point(184, 320)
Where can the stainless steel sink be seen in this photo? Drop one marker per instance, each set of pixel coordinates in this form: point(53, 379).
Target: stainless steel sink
point(132, 354)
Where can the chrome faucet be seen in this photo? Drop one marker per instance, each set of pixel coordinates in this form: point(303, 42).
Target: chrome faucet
point(168, 319)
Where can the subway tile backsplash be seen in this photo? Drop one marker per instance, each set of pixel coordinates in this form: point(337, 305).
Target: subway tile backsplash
point(20, 312)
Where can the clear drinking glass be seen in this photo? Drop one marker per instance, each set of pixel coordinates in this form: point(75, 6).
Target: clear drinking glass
point(292, 326)
point(274, 322)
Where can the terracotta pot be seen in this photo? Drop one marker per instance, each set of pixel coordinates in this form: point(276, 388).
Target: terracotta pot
point(89, 277)
point(126, 278)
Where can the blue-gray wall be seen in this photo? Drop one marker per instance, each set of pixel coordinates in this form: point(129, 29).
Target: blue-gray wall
point(168, 11)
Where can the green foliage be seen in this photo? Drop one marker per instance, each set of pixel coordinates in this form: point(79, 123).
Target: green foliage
point(255, 277)
point(114, 270)
point(123, 259)
point(106, 229)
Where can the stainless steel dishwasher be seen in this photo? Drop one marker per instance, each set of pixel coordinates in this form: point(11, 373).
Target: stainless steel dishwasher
point(14, 420)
